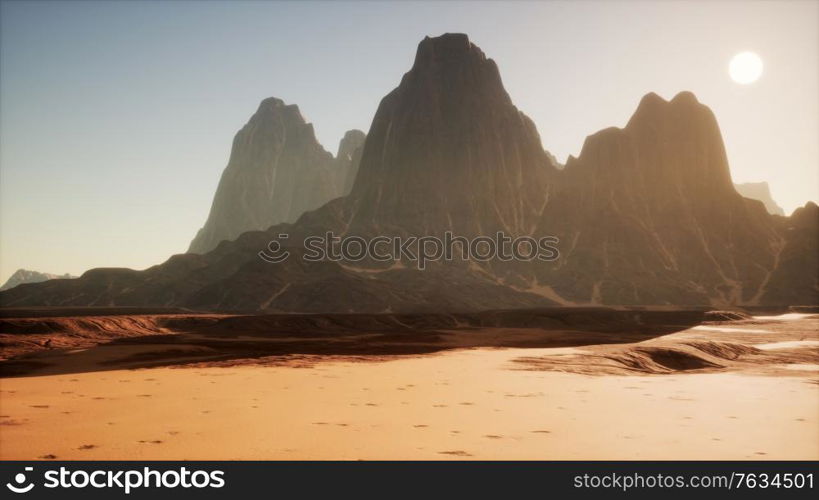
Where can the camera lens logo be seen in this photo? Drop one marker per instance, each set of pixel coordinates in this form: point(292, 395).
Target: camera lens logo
point(20, 478)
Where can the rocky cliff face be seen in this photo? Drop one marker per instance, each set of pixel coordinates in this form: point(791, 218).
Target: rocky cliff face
point(646, 214)
point(22, 276)
point(762, 192)
point(447, 150)
point(277, 171)
point(795, 279)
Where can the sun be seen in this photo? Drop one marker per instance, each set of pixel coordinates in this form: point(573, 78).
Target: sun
point(745, 68)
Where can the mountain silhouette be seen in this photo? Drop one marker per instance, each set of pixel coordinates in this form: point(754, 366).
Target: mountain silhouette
point(645, 215)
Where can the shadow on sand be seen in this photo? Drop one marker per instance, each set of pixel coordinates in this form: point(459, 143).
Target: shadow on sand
point(86, 341)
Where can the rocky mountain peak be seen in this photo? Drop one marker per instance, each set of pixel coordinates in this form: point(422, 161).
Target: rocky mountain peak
point(22, 276)
point(685, 98)
point(806, 214)
point(653, 108)
point(352, 140)
point(452, 59)
point(273, 108)
point(670, 146)
point(348, 158)
point(446, 50)
point(277, 170)
point(447, 150)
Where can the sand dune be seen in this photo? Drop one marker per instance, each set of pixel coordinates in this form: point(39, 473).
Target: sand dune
point(732, 346)
point(126, 340)
point(20, 336)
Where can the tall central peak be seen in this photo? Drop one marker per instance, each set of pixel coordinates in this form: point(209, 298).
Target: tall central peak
point(453, 61)
point(448, 151)
point(446, 50)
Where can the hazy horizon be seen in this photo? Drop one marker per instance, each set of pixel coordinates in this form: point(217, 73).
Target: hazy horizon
point(116, 119)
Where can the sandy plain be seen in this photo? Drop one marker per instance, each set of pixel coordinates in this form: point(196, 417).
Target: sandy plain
point(740, 389)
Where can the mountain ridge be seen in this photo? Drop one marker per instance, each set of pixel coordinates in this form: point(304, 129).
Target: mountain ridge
point(645, 214)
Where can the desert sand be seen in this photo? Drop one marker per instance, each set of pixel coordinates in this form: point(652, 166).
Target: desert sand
point(742, 389)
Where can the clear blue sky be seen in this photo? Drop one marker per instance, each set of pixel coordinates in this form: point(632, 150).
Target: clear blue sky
point(116, 118)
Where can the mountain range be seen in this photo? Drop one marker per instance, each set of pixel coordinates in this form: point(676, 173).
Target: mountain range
point(22, 276)
point(646, 214)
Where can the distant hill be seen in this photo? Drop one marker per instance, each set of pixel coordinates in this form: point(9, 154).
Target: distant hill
point(762, 192)
point(26, 276)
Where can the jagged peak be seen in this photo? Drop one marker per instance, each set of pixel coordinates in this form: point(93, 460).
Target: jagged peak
point(650, 104)
point(685, 97)
point(352, 140)
point(652, 99)
point(806, 216)
point(447, 47)
point(809, 209)
point(449, 65)
point(274, 105)
point(653, 106)
point(271, 102)
point(274, 110)
point(449, 52)
point(663, 127)
point(598, 137)
point(354, 135)
point(453, 39)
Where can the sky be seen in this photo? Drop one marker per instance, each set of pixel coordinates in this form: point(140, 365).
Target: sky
point(116, 118)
